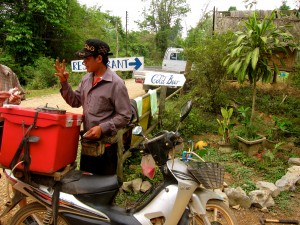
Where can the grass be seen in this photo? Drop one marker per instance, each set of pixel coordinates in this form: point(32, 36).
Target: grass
point(288, 202)
point(42, 92)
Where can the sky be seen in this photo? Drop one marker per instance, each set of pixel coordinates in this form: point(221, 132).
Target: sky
point(134, 9)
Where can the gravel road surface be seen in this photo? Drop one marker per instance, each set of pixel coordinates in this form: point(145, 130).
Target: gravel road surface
point(55, 100)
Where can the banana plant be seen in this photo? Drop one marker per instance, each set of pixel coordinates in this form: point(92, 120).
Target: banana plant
point(226, 124)
point(252, 49)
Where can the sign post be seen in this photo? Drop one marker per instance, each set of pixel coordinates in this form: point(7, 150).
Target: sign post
point(164, 80)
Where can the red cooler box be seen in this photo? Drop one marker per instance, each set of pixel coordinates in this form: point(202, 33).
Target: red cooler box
point(58, 133)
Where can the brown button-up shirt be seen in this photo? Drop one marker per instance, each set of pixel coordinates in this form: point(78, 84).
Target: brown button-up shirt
point(106, 104)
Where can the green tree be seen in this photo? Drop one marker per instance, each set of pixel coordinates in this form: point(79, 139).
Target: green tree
point(252, 49)
point(37, 28)
point(208, 75)
point(27, 25)
point(200, 32)
point(232, 8)
point(80, 24)
point(163, 18)
point(284, 6)
point(141, 44)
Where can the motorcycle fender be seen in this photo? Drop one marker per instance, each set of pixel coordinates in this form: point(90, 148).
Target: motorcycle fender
point(200, 198)
point(18, 196)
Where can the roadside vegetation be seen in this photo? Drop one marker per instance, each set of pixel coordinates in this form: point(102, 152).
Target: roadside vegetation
point(276, 115)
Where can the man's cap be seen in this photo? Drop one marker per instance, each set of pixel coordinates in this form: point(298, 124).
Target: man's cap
point(94, 47)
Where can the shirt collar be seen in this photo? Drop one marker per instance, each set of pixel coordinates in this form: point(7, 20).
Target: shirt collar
point(107, 76)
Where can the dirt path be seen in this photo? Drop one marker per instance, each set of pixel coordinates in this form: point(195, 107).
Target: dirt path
point(55, 100)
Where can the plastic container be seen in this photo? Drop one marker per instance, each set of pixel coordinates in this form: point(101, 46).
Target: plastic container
point(58, 138)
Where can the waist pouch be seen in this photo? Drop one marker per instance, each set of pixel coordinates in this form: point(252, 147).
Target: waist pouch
point(109, 139)
point(92, 147)
point(96, 147)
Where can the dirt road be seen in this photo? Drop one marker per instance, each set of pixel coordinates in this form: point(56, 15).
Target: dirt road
point(55, 100)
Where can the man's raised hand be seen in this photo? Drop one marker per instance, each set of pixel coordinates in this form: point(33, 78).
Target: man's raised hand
point(61, 70)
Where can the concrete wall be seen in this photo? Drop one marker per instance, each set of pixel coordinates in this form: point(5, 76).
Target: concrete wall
point(234, 20)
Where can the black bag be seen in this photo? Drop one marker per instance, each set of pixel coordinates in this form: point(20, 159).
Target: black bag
point(134, 110)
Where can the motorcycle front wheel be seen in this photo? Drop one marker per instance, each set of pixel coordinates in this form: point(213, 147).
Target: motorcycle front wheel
point(218, 213)
point(34, 214)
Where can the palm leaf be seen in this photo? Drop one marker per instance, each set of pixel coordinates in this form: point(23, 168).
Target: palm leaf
point(264, 39)
point(237, 67)
point(232, 66)
point(254, 57)
point(240, 38)
point(226, 61)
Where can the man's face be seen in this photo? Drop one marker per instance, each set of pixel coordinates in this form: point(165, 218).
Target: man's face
point(92, 64)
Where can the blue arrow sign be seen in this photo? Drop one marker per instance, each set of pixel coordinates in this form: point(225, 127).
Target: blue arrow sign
point(137, 63)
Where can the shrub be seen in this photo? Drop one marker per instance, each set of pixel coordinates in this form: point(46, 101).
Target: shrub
point(295, 78)
point(208, 75)
point(41, 74)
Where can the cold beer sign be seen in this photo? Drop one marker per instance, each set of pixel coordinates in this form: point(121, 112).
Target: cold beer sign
point(164, 79)
point(116, 64)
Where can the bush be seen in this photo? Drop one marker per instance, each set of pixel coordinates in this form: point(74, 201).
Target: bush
point(41, 74)
point(197, 122)
point(208, 74)
point(295, 77)
point(75, 78)
point(8, 60)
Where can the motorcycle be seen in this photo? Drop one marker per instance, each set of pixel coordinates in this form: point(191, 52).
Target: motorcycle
point(89, 199)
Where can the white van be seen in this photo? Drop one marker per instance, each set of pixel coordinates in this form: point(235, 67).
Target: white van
point(173, 60)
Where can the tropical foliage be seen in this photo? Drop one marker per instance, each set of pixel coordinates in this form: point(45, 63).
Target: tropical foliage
point(208, 75)
point(30, 30)
point(252, 49)
point(225, 125)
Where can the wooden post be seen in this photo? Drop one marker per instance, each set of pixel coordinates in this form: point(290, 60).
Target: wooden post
point(187, 71)
point(274, 81)
point(120, 153)
point(162, 98)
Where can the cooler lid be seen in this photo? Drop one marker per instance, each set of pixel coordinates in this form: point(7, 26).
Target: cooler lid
point(51, 110)
point(17, 113)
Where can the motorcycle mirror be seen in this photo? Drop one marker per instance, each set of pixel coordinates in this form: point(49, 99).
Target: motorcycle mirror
point(185, 110)
point(138, 131)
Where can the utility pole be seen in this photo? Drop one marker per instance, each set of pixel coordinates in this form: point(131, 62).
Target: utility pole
point(214, 18)
point(117, 36)
point(126, 34)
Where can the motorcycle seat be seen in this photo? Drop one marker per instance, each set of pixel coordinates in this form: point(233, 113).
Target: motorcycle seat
point(88, 184)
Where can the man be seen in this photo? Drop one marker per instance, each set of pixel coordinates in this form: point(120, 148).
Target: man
point(11, 91)
point(105, 102)
point(10, 84)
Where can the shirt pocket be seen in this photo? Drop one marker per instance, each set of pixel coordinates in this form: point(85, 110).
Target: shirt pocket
point(99, 105)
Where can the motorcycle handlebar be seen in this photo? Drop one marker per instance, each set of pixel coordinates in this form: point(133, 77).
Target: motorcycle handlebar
point(173, 137)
